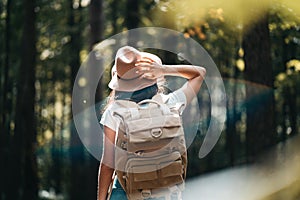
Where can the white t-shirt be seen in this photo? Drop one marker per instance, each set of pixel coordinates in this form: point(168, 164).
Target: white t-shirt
point(109, 120)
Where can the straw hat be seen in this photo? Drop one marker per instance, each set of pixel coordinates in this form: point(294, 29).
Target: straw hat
point(124, 76)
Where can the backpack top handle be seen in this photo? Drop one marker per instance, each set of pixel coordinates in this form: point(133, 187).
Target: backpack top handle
point(164, 108)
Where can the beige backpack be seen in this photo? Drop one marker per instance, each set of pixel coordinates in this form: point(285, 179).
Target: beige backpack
point(150, 153)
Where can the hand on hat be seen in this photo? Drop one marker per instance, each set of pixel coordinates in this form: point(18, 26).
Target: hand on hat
point(149, 69)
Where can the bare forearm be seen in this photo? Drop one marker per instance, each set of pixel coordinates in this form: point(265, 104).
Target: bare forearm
point(104, 180)
point(194, 74)
point(185, 71)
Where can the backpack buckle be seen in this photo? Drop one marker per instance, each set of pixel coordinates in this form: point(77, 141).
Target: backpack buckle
point(156, 132)
point(146, 193)
point(124, 145)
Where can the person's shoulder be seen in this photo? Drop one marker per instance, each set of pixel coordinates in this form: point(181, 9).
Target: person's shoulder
point(110, 109)
point(113, 106)
point(108, 118)
point(175, 97)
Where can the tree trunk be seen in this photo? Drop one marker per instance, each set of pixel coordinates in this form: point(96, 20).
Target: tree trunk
point(260, 131)
point(230, 123)
point(56, 170)
point(24, 167)
point(4, 135)
point(232, 140)
point(132, 20)
point(114, 15)
point(77, 190)
point(292, 104)
point(96, 24)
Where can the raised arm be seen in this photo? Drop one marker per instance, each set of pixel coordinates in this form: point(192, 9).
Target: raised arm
point(194, 74)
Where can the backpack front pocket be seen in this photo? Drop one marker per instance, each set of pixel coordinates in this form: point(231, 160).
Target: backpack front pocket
point(155, 172)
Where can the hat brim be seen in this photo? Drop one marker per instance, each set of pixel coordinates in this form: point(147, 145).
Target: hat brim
point(129, 85)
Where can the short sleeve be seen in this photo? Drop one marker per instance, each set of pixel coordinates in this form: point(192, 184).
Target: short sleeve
point(108, 120)
point(177, 96)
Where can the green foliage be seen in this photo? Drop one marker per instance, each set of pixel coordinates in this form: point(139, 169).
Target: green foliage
point(221, 40)
point(218, 34)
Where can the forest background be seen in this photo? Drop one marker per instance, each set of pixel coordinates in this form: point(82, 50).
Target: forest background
point(255, 45)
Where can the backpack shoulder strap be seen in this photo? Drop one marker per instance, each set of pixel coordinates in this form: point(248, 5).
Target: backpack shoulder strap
point(161, 98)
point(125, 103)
